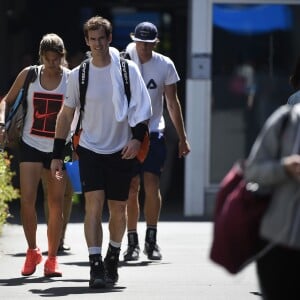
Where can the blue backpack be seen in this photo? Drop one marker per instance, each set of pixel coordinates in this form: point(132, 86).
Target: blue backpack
point(15, 116)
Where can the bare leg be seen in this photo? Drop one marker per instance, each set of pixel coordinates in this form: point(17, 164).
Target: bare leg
point(55, 196)
point(152, 207)
point(153, 199)
point(133, 215)
point(30, 174)
point(67, 204)
point(67, 209)
point(133, 207)
point(93, 218)
point(117, 227)
point(117, 220)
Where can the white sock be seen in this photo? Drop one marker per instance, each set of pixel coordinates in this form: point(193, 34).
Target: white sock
point(115, 244)
point(94, 250)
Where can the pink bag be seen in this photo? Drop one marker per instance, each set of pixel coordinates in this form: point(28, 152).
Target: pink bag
point(237, 219)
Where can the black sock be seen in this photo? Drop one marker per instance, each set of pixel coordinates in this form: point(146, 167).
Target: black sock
point(133, 239)
point(151, 235)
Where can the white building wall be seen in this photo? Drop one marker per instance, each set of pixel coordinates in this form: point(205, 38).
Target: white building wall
point(197, 119)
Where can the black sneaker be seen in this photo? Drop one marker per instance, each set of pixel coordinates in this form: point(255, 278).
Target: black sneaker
point(152, 251)
point(132, 253)
point(111, 263)
point(97, 274)
point(63, 248)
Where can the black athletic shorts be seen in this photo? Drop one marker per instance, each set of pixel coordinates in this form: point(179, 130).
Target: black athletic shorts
point(108, 172)
point(30, 154)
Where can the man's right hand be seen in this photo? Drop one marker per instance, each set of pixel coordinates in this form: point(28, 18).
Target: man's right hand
point(56, 169)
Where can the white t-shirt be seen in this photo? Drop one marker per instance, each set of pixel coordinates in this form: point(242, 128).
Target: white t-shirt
point(157, 72)
point(101, 131)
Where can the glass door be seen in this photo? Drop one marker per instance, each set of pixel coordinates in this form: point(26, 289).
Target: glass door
point(255, 47)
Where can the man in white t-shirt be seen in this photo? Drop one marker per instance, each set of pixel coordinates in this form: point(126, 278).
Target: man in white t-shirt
point(110, 139)
point(160, 77)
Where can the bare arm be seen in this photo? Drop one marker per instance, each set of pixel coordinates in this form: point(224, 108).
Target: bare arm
point(2, 112)
point(2, 121)
point(12, 94)
point(63, 124)
point(174, 109)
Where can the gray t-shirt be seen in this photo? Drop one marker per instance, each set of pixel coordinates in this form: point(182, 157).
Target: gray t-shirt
point(294, 98)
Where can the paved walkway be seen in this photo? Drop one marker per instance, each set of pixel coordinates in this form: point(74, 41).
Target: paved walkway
point(184, 273)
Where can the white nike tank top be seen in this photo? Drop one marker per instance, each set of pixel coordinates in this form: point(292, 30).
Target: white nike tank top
point(42, 109)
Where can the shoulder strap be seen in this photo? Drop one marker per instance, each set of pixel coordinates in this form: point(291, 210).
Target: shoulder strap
point(283, 126)
point(125, 76)
point(21, 100)
point(83, 83)
point(284, 121)
point(124, 54)
point(30, 77)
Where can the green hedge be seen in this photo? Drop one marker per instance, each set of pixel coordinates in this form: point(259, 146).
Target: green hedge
point(7, 191)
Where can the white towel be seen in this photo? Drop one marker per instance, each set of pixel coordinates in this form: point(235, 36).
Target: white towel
point(131, 49)
point(118, 97)
point(140, 103)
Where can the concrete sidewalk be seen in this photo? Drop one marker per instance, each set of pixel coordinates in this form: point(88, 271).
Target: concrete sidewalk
point(184, 273)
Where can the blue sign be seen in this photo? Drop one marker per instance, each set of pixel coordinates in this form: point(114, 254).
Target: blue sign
point(254, 19)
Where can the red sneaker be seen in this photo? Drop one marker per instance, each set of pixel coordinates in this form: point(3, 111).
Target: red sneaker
point(51, 268)
point(33, 258)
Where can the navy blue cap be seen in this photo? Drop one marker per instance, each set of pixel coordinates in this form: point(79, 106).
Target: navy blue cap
point(145, 32)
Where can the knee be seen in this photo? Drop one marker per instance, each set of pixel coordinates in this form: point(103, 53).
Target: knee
point(134, 189)
point(135, 184)
point(117, 209)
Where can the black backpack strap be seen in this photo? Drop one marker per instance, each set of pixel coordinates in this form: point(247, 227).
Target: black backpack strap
point(125, 76)
point(11, 111)
point(124, 54)
point(284, 123)
point(285, 120)
point(83, 83)
point(30, 77)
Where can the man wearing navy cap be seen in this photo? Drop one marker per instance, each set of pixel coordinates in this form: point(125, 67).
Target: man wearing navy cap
point(145, 32)
point(160, 77)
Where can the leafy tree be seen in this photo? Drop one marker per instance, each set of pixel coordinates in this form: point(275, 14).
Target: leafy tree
point(7, 190)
